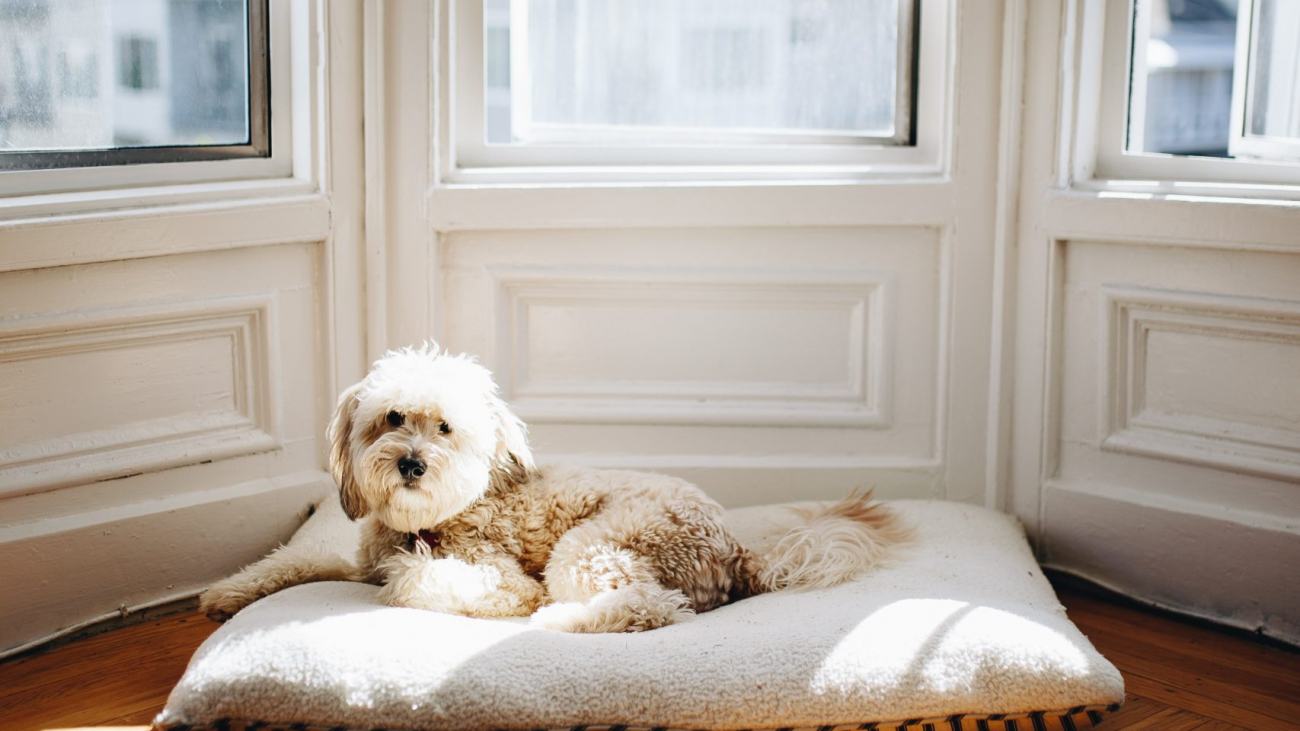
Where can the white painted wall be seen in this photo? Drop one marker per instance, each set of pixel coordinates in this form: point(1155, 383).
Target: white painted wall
point(169, 354)
point(1116, 369)
point(1155, 447)
point(770, 341)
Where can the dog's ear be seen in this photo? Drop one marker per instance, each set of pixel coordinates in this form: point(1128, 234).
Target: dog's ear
point(340, 434)
point(512, 455)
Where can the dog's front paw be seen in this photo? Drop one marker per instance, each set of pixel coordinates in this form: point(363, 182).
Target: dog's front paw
point(633, 608)
point(447, 585)
point(226, 597)
point(560, 616)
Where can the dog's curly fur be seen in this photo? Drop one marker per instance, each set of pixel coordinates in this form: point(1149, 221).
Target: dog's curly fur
point(470, 525)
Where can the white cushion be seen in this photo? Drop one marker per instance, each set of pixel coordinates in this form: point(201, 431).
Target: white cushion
point(962, 622)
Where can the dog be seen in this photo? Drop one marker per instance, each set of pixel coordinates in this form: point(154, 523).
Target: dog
point(459, 518)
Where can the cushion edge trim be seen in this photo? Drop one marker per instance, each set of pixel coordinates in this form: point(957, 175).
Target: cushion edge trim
point(1091, 716)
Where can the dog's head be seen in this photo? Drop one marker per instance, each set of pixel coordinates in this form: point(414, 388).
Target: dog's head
point(422, 437)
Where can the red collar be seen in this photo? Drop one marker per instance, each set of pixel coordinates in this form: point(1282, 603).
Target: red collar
point(430, 538)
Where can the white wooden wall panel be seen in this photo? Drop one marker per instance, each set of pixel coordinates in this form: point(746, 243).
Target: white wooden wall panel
point(807, 347)
point(1171, 362)
point(170, 385)
point(1203, 378)
point(1157, 378)
point(168, 359)
point(89, 562)
point(812, 352)
point(198, 371)
point(789, 339)
point(769, 341)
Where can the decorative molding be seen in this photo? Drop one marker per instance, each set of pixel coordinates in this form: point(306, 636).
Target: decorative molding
point(136, 233)
point(156, 443)
point(997, 445)
point(809, 462)
point(377, 201)
point(1129, 316)
point(862, 400)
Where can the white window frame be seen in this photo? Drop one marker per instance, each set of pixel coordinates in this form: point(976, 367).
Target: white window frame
point(465, 159)
point(1105, 77)
point(64, 190)
point(1241, 143)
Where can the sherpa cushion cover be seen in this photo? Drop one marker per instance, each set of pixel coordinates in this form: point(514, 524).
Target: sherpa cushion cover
point(959, 624)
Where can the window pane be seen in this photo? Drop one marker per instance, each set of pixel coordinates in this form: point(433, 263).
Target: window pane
point(1181, 99)
point(1275, 83)
point(681, 67)
point(97, 74)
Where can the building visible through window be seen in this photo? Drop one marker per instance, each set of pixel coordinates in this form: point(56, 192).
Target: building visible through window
point(102, 74)
point(1217, 78)
point(1183, 103)
point(137, 60)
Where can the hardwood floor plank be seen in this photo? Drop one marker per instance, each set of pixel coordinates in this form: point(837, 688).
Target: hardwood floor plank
point(120, 678)
point(1223, 648)
point(1214, 725)
point(124, 693)
point(1134, 710)
point(1221, 675)
point(1209, 706)
point(1272, 694)
point(1276, 675)
point(1169, 719)
point(1180, 721)
point(152, 641)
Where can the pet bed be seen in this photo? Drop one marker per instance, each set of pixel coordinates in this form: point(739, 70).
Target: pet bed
point(959, 631)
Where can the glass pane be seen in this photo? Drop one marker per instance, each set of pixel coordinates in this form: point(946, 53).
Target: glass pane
point(1275, 83)
point(1181, 99)
point(682, 66)
point(96, 74)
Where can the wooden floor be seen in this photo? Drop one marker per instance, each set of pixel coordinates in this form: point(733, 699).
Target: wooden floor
point(1180, 675)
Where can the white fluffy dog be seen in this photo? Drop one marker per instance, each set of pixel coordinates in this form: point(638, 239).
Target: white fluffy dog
point(460, 519)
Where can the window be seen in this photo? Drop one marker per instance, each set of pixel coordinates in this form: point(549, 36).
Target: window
point(615, 71)
point(658, 83)
point(188, 81)
point(1208, 85)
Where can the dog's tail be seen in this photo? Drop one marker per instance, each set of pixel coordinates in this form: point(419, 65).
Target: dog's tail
point(834, 544)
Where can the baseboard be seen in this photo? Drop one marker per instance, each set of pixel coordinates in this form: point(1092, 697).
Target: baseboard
point(69, 573)
point(1080, 583)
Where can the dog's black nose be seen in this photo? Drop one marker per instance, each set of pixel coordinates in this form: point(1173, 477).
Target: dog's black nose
point(410, 466)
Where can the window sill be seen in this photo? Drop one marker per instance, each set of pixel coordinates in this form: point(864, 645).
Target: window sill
point(21, 208)
point(917, 200)
point(1177, 220)
point(689, 175)
point(145, 222)
point(1190, 191)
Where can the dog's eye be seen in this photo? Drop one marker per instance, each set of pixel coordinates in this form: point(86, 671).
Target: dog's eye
point(395, 419)
point(443, 428)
